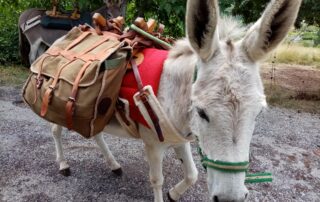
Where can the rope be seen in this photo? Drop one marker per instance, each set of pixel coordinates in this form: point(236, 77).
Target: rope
point(258, 177)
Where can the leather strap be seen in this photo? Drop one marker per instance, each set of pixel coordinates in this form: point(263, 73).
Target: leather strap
point(48, 94)
point(100, 56)
point(144, 98)
point(95, 45)
point(140, 42)
point(72, 98)
point(78, 40)
point(39, 80)
point(137, 75)
point(110, 34)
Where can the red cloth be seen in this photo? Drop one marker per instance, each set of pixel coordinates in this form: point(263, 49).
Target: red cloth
point(150, 71)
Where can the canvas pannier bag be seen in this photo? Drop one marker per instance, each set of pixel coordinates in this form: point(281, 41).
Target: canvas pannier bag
point(75, 83)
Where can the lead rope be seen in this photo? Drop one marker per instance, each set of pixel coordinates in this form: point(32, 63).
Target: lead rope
point(233, 167)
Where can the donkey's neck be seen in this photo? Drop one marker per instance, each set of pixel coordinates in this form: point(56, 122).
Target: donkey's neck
point(175, 85)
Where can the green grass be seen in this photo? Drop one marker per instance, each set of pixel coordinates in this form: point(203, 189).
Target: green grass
point(13, 75)
point(297, 54)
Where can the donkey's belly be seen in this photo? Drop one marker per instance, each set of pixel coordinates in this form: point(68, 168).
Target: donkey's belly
point(114, 128)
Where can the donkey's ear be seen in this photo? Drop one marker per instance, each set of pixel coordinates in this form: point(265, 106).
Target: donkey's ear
point(266, 34)
point(201, 23)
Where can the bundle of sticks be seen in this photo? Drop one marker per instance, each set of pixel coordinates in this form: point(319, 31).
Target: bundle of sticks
point(140, 34)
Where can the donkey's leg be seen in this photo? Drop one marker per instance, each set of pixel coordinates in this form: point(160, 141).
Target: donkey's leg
point(155, 155)
point(64, 168)
point(190, 172)
point(115, 166)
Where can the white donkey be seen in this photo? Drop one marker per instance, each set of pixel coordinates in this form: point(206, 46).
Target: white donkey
point(210, 87)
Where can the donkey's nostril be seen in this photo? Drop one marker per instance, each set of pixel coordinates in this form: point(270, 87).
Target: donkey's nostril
point(246, 196)
point(215, 199)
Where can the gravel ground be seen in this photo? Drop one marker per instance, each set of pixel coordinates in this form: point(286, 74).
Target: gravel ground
point(285, 142)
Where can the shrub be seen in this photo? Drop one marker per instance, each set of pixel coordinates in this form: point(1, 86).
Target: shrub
point(307, 35)
point(8, 34)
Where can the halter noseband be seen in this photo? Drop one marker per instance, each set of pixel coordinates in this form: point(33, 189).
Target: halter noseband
point(225, 166)
point(234, 167)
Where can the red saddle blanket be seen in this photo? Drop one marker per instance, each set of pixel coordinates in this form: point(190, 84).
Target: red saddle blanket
point(150, 71)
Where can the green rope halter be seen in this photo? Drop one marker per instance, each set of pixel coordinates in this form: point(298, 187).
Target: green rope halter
point(225, 166)
point(234, 167)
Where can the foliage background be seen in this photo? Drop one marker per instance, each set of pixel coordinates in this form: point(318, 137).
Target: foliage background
point(169, 12)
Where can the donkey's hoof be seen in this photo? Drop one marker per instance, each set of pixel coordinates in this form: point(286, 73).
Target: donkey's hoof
point(65, 172)
point(169, 197)
point(117, 172)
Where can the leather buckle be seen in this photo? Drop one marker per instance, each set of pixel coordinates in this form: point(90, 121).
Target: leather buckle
point(72, 99)
point(39, 82)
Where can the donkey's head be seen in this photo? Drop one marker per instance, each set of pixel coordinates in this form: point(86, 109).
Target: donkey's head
point(114, 7)
point(227, 94)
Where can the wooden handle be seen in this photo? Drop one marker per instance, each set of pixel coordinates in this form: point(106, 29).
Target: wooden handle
point(139, 22)
point(99, 20)
point(161, 28)
point(151, 25)
point(119, 21)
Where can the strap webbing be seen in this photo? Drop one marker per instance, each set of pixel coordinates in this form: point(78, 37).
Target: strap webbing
point(72, 98)
point(48, 94)
point(137, 75)
point(78, 40)
point(234, 167)
point(143, 96)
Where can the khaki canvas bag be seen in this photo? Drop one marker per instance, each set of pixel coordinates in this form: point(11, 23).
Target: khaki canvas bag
point(76, 82)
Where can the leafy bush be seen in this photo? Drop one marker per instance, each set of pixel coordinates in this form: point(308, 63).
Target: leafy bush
point(307, 35)
point(169, 13)
point(8, 33)
point(9, 37)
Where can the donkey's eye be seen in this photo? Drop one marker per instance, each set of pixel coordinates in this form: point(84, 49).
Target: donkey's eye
point(203, 114)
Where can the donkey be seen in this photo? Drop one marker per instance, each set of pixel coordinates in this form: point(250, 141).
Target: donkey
point(218, 95)
point(35, 39)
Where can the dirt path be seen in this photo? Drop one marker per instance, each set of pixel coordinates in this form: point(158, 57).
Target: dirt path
point(293, 77)
point(285, 142)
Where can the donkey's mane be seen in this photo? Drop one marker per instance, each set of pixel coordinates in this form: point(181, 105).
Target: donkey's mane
point(231, 28)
